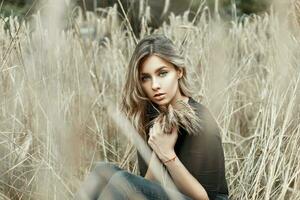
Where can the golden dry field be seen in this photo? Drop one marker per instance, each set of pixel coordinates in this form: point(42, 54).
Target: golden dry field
point(57, 79)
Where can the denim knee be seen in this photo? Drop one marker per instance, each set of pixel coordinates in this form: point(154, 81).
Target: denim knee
point(105, 168)
point(120, 176)
point(118, 187)
point(121, 180)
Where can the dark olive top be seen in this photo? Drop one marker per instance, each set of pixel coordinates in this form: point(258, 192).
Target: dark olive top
point(201, 154)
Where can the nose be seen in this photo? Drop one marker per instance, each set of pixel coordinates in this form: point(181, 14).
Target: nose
point(155, 84)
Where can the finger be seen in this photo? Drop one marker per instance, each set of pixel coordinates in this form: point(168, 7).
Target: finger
point(154, 125)
point(152, 137)
point(157, 128)
point(153, 129)
point(150, 131)
point(150, 143)
point(174, 130)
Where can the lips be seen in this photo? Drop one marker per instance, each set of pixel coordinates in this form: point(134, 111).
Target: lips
point(159, 94)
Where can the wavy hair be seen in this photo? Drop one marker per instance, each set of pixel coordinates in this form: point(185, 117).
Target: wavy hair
point(134, 100)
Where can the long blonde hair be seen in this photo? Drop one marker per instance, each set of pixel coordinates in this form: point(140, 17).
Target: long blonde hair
point(134, 100)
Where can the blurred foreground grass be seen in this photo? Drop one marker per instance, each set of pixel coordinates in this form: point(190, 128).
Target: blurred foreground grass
point(53, 120)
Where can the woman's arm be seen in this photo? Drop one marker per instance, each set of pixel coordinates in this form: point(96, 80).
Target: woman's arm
point(149, 174)
point(163, 145)
point(184, 181)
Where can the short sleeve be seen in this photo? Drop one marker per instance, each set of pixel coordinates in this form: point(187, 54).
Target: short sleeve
point(203, 155)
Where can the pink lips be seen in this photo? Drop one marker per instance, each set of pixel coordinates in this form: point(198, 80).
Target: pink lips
point(159, 96)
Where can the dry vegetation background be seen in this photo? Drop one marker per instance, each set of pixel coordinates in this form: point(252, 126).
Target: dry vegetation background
point(55, 85)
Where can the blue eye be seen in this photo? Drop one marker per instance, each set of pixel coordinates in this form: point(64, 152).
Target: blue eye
point(163, 73)
point(144, 78)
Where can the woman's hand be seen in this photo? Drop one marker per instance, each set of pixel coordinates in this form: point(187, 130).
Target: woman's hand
point(161, 143)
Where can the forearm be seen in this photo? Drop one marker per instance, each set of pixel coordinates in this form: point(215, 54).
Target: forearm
point(185, 182)
point(149, 174)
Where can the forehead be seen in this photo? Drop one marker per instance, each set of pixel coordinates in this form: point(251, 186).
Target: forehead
point(152, 63)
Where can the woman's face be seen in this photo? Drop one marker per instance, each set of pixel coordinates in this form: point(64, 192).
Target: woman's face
point(159, 80)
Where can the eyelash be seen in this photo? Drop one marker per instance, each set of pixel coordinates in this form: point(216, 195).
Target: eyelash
point(162, 72)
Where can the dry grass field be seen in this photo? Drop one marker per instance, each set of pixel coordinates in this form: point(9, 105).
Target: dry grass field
point(55, 86)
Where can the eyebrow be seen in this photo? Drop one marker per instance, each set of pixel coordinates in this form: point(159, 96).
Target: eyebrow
point(160, 68)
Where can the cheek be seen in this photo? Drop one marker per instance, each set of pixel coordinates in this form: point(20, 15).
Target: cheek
point(171, 83)
point(146, 88)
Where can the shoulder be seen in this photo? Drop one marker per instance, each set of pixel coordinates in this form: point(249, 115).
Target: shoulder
point(201, 110)
point(197, 106)
point(209, 123)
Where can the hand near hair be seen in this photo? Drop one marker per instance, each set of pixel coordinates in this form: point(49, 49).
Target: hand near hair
point(162, 143)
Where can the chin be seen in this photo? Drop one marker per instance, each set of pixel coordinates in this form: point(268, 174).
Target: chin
point(163, 102)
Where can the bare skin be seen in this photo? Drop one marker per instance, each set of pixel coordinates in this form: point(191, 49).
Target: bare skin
point(160, 76)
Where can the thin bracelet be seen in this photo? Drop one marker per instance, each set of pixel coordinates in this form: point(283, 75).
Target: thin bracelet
point(172, 159)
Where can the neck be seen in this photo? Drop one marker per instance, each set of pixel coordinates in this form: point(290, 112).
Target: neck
point(179, 97)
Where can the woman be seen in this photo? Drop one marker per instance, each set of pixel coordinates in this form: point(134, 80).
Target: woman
point(156, 78)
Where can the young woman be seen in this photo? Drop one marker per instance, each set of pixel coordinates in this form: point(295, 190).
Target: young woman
point(156, 78)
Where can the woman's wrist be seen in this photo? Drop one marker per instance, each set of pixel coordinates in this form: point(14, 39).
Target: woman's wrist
point(169, 158)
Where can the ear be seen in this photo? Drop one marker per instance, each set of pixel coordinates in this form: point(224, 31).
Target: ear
point(179, 73)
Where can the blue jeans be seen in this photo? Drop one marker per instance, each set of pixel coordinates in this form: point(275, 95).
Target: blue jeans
point(222, 197)
point(108, 181)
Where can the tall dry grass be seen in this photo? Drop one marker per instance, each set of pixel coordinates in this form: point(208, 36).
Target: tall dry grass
point(54, 84)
